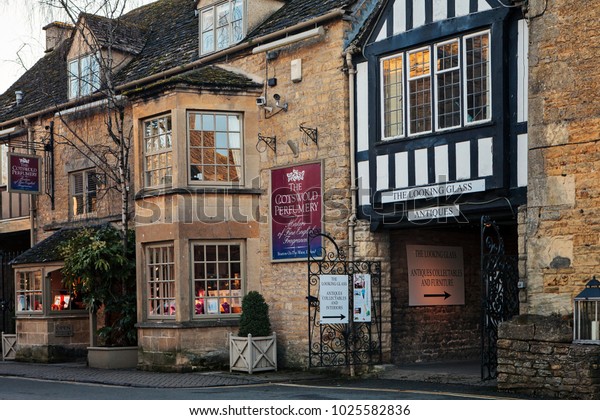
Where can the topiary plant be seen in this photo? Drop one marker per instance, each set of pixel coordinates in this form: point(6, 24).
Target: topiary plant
point(255, 316)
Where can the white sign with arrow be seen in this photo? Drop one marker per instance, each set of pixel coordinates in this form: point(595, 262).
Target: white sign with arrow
point(435, 275)
point(333, 299)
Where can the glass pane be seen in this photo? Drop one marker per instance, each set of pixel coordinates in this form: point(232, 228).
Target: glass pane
point(208, 122)
point(234, 122)
point(234, 141)
point(221, 122)
point(237, 31)
point(199, 271)
point(223, 253)
point(207, 20)
point(221, 140)
point(222, 37)
point(223, 15)
point(208, 42)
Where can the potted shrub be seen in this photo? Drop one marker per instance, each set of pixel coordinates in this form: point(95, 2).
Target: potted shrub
point(99, 263)
point(255, 347)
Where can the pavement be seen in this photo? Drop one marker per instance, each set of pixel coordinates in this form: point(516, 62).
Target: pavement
point(464, 373)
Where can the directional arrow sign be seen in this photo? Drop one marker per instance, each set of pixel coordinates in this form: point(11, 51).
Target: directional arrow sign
point(435, 275)
point(445, 295)
point(333, 299)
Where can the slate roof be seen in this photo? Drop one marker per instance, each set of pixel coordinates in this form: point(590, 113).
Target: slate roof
point(166, 35)
point(120, 34)
point(47, 250)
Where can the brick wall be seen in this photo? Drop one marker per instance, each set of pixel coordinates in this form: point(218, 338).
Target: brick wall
point(536, 357)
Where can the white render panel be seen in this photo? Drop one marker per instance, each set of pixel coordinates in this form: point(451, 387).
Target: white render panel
point(399, 16)
point(440, 10)
point(522, 71)
point(522, 150)
point(461, 7)
point(441, 164)
point(364, 188)
point(401, 169)
point(483, 5)
point(485, 156)
point(463, 160)
point(418, 13)
point(421, 167)
point(362, 107)
point(383, 172)
point(383, 33)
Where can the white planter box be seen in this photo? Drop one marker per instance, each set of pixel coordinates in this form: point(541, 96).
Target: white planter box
point(252, 354)
point(112, 357)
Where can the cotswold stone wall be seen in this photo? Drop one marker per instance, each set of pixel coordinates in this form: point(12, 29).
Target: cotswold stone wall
point(536, 357)
point(562, 226)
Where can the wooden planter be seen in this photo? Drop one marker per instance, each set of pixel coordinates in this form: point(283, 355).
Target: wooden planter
point(252, 354)
point(112, 357)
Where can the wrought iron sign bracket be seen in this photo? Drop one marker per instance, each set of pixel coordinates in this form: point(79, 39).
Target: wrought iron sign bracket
point(311, 133)
point(271, 142)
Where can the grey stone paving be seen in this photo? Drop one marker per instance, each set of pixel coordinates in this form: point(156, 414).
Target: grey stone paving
point(72, 372)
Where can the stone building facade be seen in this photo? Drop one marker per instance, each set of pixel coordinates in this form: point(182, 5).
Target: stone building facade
point(560, 240)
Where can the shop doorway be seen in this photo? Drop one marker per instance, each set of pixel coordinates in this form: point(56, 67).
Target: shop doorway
point(7, 292)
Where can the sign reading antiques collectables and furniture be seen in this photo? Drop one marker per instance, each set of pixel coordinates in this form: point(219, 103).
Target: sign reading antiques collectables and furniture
point(24, 173)
point(296, 209)
point(435, 275)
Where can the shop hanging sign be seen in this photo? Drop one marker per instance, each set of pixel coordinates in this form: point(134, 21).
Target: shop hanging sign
point(296, 209)
point(435, 275)
point(24, 173)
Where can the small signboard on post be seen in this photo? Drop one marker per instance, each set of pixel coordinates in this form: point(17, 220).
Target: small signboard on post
point(333, 299)
point(24, 173)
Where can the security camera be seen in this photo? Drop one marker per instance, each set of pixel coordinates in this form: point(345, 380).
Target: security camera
point(277, 98)
point(261, 101)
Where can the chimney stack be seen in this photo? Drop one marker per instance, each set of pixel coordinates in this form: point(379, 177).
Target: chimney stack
point(56, 32)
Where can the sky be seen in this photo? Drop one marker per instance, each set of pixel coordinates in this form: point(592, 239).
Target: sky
point(22, 40)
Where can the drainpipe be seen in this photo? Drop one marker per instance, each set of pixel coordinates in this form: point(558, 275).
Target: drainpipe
point(32, 197)
point(352, 124)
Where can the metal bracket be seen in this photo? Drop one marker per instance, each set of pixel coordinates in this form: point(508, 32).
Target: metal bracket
point(311, 133)
point(269, 141)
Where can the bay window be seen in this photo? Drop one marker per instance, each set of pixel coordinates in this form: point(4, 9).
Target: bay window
point(29, 291)
point(436, 87)
point(217, 278)
point(158, 154)
point(215, 147)
point(160, 281)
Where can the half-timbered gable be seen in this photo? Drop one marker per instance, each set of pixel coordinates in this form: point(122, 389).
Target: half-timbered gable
point(441, 112)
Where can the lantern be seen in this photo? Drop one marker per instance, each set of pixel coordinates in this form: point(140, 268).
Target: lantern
point(586, 315)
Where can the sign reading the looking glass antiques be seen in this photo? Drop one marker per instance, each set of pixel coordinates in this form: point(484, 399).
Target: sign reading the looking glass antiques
point(24, 173)
point(296, 209)
point(435, 275)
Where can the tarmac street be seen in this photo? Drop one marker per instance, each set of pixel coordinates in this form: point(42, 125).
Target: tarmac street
point(71, 381)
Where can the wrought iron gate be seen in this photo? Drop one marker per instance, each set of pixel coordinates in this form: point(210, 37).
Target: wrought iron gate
point(7, 292)
point(500, 293)
point(343, 343)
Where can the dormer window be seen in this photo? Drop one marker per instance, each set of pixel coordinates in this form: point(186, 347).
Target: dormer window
point(84, 76)
point(221, 25)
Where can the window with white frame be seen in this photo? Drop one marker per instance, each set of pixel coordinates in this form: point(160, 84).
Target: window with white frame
point(158, 153)
point(217, 278)
point(215, 147)
point(84, 75)
point(437, 87)
point(160, 281)
point(29, 291)
point(221, 25)
point(3, 165)
point(83, 192)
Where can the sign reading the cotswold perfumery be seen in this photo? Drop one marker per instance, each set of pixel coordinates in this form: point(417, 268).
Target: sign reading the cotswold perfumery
point(435, 275)
point(296, 209)
point(24, 173)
